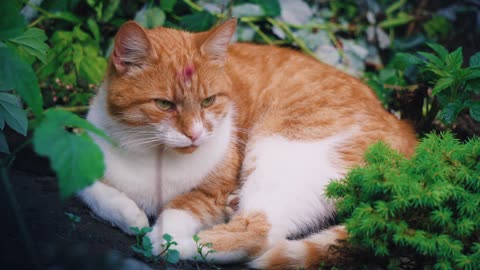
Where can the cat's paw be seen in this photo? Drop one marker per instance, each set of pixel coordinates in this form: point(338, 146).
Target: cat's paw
point(132, 216)
point(180, 225)
point(233, 200)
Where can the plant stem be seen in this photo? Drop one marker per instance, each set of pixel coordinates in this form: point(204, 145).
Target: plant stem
point(12, 200)
point(284, 27)
point(73, 108)
point(11, 157)
point(260, 32)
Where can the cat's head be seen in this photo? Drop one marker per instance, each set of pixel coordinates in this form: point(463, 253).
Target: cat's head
point(169, 86)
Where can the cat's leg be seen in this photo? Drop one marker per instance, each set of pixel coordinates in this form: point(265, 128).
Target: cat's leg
point(187, 214)
point(114, 206)
point(282, 194)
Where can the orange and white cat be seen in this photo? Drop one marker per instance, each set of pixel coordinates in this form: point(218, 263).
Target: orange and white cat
point(196, 118)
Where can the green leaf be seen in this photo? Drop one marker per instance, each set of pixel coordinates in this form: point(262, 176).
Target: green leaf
point(3, 143)
point(67, 16)
point(432, 59)
point(401, 61)
point(475, 60)
point(146, 243)
point(196, 238)
point(167, 5)
point(475, 111)
point(455, 59)
point(12, 23)
point(450, 111)
point(173, 256)
point(16, 74)
point(167, 237)
point(94, 29)
point(135, 230)
point(151, 17)
point(146, 230)
point(271, 8)
point(109, 8)
point(75, 157)
point(442, 84)
point(400, 20)
point(197, 22)
point(439, 49)
point(14, 116)
point(33, 41)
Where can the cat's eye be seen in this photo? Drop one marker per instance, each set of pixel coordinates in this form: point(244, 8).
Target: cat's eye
point(208, 101)
point(165, 105)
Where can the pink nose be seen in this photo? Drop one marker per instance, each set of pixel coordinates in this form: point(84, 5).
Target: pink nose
point(194, 135)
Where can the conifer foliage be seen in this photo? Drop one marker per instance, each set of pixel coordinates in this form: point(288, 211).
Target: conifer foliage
point(418, 212)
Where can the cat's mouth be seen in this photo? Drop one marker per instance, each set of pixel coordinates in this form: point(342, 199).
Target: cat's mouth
point(186, 150)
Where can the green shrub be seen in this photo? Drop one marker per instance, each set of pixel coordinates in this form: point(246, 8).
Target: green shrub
point(418, 212)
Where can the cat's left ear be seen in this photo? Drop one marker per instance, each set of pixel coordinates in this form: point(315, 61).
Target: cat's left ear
point(216, 45)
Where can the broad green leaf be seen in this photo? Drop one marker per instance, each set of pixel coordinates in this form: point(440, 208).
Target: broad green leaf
point(471, 74)
point(16, 74)
point(12, 23)
point(13, 114)
point(33, 41)
point(3, 143)
point(455, 59)
point(450, 111)
point(94, 29)
point(146, 230)
point(75, 157)
point(442, 84)
point(439, 49)
point(197, 22)
point(150, 17)
point(475, 60)
point(167, 5)
point(173, 256)
point(475, 111)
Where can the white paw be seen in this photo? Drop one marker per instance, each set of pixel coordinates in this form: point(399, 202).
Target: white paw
point(132, 216)
point(179, 224)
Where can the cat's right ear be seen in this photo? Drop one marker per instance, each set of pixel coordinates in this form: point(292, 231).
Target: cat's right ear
point(132, 48)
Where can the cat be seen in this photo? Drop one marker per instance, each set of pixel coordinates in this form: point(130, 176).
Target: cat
point(196, 118)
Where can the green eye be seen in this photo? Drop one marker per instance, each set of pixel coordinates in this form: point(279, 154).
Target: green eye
point(208, 101)
point(165, 105)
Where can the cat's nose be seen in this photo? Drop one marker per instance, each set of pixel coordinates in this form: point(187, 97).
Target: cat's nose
point(194, 135)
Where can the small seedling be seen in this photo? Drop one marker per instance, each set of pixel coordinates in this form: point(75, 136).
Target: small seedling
point(200, 250)
point(74, 219)
point(143, 245)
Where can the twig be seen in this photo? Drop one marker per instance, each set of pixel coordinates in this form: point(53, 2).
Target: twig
point(260, 32)
point(73, 108)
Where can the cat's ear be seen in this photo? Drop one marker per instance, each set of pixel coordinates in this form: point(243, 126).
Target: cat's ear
point(132, 48)
point(216, 44)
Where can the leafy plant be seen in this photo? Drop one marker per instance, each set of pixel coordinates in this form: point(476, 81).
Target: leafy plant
point(143, 246)
point(418, 212)
point(200, 249)
point(74, 219)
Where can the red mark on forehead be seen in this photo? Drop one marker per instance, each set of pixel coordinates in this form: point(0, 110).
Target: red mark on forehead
point(186, 74)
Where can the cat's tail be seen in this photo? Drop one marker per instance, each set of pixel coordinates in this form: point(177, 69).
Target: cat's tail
point(307, 253)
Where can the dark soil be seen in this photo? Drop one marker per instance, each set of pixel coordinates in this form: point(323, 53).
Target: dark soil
point(57, 243)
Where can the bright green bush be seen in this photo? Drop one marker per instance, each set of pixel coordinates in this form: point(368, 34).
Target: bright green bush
point(418, 212)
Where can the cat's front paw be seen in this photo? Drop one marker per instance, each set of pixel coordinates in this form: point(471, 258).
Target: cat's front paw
point(181, 226)
point(132, 216)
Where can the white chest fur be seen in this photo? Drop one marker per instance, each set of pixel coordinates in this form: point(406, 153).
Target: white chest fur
point(153, 177)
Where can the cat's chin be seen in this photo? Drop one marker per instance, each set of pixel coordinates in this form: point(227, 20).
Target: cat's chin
point(186, 150)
